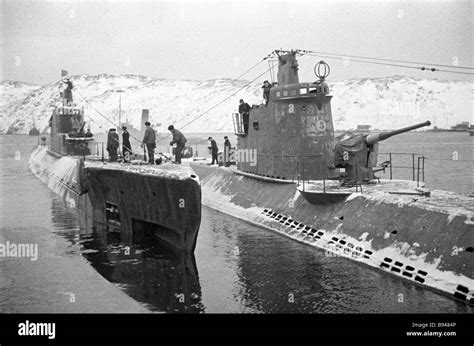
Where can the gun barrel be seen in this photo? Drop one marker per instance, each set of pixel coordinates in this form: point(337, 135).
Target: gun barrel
point(372, 139)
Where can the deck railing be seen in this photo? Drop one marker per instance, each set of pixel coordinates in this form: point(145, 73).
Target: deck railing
point(416, 165)
point(416, 168)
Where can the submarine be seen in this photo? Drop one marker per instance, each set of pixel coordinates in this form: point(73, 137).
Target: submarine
point(293, 176)
point(130, 198)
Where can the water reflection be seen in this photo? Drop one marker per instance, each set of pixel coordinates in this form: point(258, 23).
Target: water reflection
point(159, 277)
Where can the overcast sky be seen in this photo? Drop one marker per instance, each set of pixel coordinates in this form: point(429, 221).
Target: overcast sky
point(209, 40)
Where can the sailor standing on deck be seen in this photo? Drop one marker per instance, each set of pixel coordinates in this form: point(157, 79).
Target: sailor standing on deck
point(180, 141)
point(67, 101)
point(149, 140)
point(126, 147)
point(112, 145)
point(266, 91)
point(227, 147)
point(244, 110)
point(214, 151)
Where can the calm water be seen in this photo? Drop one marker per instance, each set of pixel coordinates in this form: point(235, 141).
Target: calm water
point(449, 163)
point(237, 268)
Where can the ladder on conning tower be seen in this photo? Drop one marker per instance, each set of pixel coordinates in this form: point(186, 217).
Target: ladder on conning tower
point(238, 122)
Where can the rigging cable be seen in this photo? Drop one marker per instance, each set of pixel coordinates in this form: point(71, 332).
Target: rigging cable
point(238, 78)
point(390, 64)
point(250, 69)
point(270, 68)
point(219, 103)
point(389, 60)
point(113, 123)
point(105, 117)
point(272, 72)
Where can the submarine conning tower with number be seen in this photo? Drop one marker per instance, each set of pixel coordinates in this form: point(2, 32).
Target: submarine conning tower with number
point(293, 134)
point(296, 178)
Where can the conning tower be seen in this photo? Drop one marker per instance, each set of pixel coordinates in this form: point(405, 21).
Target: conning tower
point(67, 131)
point(293, 135)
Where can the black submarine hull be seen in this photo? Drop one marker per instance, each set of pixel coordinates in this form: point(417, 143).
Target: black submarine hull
point(425, 242)
point(164, 200)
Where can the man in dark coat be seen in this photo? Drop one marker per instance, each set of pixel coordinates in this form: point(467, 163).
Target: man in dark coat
point(149, 140)
point(180, 141)
point(244, 110)
point(214, 150)
point(68, 93)
point(112, 145)
point(227, 147)
point(126, 147)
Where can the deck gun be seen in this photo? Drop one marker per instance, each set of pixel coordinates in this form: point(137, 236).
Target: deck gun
point(357, 154)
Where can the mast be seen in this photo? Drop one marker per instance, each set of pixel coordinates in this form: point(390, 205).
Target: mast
point(120, 108)
point(287, 68)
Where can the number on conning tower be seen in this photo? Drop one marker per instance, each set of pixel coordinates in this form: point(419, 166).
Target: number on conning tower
point(321, 125)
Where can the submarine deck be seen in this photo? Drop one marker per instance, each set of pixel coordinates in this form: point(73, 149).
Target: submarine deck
point(165, 169)
point(390, 191)
point(401, 191)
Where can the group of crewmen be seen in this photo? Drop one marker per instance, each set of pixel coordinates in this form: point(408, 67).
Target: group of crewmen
point(113, 144)
point(149, 141)
point(215, 150)
point(179, 140)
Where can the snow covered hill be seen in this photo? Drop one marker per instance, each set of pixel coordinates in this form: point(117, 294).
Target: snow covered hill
point(384, 103)
point(10, 94)
point(393, 102)
point(14, 91)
